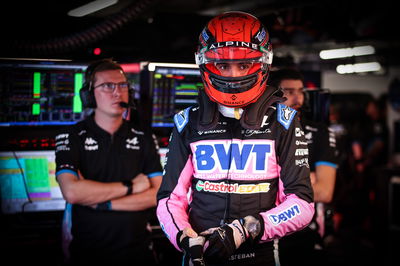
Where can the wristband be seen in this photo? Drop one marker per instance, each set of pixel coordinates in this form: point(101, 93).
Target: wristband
point(129, 185)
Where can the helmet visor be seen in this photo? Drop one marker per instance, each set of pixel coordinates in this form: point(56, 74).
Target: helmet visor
point(233, 51)
point(233, 68)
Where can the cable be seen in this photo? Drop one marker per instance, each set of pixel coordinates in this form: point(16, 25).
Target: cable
point(24, 180)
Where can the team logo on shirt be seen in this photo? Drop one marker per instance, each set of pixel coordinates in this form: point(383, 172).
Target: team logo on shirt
point(301, 152)
point(223, 187)
point(302, 162)
point(284, 215)
point(132, 143)
point(215, 131)
point(332, 138)
point(91, 144)
point(241, 156)
point(62, 142)
point(298, 132)
point(264, 122)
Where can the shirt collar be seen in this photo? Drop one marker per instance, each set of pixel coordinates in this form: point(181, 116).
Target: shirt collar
point(122, 130)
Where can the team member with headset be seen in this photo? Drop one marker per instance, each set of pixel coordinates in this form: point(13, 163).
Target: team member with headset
point(109, 173)
point(237, 174)
point(307, 246)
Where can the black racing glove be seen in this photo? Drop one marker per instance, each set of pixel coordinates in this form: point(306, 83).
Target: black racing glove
point(193, 250)
point(224, 240)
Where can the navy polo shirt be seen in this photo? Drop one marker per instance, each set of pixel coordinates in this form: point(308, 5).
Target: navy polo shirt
point(103, 157)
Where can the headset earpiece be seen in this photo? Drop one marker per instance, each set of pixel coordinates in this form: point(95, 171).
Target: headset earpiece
point(86, 93)
point(87, 96)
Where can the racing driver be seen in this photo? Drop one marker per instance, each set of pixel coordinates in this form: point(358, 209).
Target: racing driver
point(237, 174)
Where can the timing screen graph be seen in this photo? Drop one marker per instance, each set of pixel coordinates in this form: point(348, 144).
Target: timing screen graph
point(174, 89)
point(27, 182)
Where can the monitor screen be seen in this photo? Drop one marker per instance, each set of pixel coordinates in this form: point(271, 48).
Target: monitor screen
point(174, 89)
point(47, 93)
point(27, 182)
point(40, 93)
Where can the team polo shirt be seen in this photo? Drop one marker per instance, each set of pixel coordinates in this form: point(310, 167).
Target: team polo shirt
point(321, 144)
point(103, 157)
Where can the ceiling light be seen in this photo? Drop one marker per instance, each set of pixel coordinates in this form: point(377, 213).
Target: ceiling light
point(358, 68)
point(152, 66)
point(91, 7)
point(347, 52)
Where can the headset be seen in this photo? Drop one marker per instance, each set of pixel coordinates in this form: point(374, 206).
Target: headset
point(87, 91)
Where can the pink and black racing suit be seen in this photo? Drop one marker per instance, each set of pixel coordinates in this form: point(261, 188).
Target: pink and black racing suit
point(219, 175)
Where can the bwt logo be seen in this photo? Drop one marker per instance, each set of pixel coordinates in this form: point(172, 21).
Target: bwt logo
point(231, 155)
point(285, 215)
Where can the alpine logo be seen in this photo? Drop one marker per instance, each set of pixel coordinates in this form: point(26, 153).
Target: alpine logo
point(90, 141)
point(91, 144)
point(132, 143)
point(285, 215)
point(233, 43)
point(264, 122)
point(223, 187)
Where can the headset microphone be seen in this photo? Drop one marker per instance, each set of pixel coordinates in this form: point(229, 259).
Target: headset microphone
point(133, 112)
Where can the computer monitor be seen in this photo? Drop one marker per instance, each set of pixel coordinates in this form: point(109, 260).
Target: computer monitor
point(46, 93)
point(27, 182)
point(40, 93)
point(173, 89)
point(39, 97)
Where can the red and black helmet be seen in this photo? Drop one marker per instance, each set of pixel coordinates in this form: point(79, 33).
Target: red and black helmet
point(238, 38)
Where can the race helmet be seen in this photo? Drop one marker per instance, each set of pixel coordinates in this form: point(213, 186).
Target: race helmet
point(234, 38)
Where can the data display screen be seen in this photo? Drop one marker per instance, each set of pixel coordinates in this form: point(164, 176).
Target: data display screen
point(27, 182)
point(47, 93)
point(174, 89)
point(40, 94)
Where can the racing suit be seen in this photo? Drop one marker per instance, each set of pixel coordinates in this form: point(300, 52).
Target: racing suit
point(215, 176)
